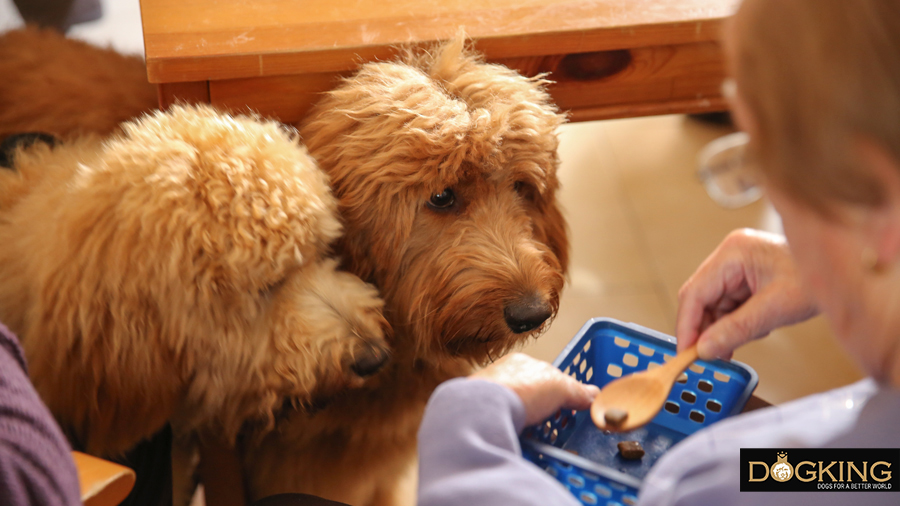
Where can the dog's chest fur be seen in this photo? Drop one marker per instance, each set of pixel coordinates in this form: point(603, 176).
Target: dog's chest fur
point(360, 446)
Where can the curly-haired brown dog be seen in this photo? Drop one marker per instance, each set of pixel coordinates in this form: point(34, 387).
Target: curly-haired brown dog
point(178, 271)
point(66, 87)
point(445, 172)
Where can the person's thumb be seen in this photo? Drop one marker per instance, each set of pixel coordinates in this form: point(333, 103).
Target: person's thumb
point(579, 395)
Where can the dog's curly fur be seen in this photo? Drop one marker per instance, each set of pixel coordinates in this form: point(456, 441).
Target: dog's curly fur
point(390, 138)
point(178, 271)
point(66, 87)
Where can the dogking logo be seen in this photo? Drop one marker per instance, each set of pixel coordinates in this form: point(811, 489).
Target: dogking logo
point(814, 469)
point(781, 470)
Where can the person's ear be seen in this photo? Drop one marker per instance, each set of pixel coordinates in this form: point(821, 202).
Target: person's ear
point(744, 118)
point(884, 232)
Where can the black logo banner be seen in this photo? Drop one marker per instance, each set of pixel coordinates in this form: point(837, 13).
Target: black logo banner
point(820, 469)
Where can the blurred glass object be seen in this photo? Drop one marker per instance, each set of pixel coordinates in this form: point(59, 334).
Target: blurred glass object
point(725, 171)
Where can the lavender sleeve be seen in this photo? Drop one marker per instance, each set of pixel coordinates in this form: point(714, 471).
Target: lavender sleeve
point(469, 450)
point(36, 465)
point(704, 469)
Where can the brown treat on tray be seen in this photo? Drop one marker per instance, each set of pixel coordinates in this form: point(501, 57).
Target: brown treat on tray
point(631, 450)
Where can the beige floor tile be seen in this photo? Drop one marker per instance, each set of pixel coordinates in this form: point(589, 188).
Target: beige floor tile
point(681, 225)
point(604, 243)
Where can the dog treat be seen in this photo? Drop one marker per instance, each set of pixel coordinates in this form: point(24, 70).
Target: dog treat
point(615, 416)
point(630, 450)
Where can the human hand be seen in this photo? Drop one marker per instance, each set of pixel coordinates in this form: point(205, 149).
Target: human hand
point(746, 288)
point(543, 388)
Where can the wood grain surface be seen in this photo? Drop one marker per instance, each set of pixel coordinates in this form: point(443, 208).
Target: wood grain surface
point(646, 81)
point(197, 40)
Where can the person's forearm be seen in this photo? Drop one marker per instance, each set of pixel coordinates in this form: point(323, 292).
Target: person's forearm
point(469, 450)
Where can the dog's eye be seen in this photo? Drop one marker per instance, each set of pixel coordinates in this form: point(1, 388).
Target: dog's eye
point(443, 200)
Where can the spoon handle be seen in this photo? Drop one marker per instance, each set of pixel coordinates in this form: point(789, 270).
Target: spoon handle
point(677, 364)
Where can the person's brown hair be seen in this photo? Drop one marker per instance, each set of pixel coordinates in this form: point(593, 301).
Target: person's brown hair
point(818, 76)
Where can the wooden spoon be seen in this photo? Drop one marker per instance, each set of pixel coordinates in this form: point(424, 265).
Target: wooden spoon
point(640, 395)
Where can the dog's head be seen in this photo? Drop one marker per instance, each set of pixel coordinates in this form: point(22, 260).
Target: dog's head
point(202, 240)
point(445, 172)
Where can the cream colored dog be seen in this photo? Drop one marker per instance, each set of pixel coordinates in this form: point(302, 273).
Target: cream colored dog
point(178, 271)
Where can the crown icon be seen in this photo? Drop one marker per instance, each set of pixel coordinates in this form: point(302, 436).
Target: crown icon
point(782, 455)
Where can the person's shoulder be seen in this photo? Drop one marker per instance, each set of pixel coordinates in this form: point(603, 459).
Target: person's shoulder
point(876, 425)
point(705, 467)
point(806, 422)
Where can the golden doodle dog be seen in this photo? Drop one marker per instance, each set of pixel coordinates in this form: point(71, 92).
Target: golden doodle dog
point(179, 271)
point(66, 87)
point(444, 168)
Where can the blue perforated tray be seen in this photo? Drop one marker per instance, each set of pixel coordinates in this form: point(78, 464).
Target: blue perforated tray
point(585, 459)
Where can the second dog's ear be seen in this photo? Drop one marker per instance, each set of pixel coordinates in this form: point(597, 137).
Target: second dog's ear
point(23, 140)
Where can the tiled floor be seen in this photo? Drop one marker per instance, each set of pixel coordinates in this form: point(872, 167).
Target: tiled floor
point(640, 223)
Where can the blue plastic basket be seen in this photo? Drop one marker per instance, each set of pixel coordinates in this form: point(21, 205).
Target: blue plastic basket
point(585, 459)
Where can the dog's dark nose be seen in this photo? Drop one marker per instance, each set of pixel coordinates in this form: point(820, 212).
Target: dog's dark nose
point(526, 314)
point(369, 359)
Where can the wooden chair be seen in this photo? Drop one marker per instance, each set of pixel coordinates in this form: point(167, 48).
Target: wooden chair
point(103, 483)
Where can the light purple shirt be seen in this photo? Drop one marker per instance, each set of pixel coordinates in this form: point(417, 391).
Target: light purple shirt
point(704, 469)
point(469, 452)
